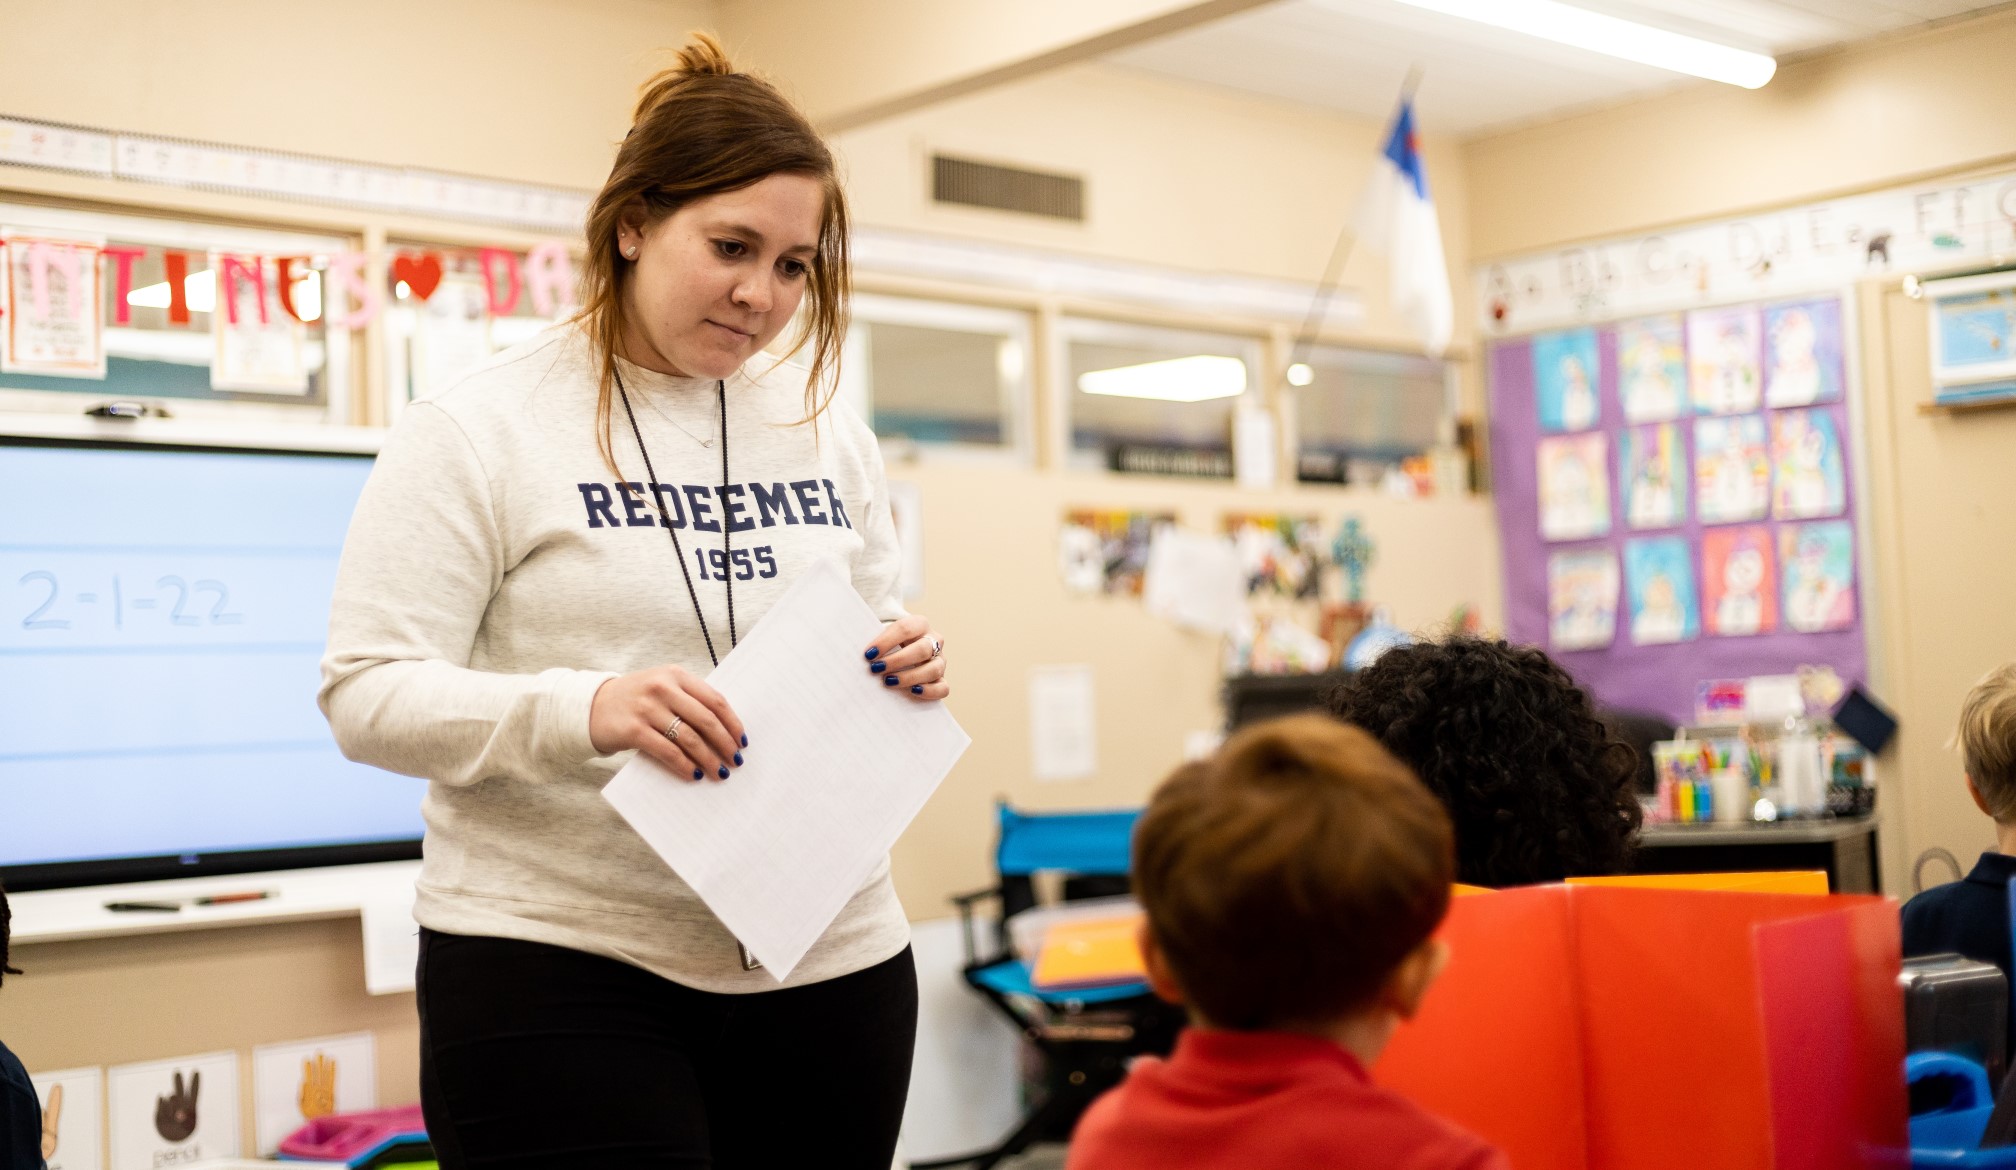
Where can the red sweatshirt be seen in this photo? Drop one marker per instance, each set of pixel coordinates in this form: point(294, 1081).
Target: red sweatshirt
point(1260, 1100)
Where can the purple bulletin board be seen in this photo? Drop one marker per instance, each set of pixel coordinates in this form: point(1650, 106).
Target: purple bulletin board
point(1662, 676)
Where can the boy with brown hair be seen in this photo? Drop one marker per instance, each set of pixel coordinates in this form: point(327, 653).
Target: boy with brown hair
point(1292, 887)
point(1971, 917)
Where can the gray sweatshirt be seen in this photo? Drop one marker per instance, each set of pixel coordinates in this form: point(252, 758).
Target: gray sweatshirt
point(496, 574)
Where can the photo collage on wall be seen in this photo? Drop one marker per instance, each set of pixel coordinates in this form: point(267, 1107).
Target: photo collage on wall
point(1697, 485)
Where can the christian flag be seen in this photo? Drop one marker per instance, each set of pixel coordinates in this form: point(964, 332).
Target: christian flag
point(1396, 218)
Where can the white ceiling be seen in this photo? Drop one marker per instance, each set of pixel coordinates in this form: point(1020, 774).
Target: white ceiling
point(1351, 55)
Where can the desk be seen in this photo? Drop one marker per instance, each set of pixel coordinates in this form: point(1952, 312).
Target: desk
point(1845, 847)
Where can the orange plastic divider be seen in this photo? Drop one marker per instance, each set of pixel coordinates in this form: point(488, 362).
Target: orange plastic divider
point(1090, 953)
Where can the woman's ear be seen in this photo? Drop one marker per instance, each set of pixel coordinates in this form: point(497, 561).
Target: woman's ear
point(630, 223)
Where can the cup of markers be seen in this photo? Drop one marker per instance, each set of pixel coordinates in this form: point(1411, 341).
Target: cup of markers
point(1702, 780)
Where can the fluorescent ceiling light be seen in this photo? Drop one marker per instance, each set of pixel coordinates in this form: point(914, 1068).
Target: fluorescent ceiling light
point(199, 291)
point(1567, 25)
point(1186, 379)
point(1300, 374)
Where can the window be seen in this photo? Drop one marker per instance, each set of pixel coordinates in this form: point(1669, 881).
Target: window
point(1359, 412)
point(1156, 388)
point(287, 367)
point(940, 375)
point(430, 341)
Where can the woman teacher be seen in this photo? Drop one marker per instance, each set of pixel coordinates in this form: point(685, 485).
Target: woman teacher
point(549, 557)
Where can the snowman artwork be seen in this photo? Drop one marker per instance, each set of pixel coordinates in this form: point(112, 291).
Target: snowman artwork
point(1578, 395)
point(1795, 370)
point(1660, 618)
point(1741, 609)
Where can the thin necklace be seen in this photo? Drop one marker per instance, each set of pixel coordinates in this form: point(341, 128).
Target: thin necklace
point(727, 557)
point(667, 416)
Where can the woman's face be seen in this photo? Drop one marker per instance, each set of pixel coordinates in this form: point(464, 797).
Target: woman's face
point(718, 279)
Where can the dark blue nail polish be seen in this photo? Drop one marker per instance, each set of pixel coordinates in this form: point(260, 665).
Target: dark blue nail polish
point(698, 774)
point(724, 773)
point(889, 680)
point(878, 668)
point(738, 759)
point(918, 689)
point(871, 652)
point(745, 741)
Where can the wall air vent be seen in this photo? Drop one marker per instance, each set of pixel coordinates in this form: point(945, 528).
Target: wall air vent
point(978, 184)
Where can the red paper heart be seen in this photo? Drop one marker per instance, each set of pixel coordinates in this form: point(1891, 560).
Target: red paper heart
point(422, 274)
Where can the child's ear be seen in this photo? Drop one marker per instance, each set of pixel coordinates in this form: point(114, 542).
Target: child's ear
point(1414, 976)
point(1976, 794)
point(1161, 980)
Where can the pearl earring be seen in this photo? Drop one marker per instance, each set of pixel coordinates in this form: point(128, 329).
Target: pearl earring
point(631, 254)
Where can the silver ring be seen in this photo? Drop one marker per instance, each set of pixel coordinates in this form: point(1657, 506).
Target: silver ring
point(672, 729)
point(937, 647)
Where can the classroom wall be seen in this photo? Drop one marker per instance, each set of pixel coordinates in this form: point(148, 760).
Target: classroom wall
point(1891, 113)
point(537, 91)
point(1188, 176)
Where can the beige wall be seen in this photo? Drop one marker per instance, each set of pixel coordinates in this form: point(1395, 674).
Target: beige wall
point(1886, 114)
point(1920, 104)
point(992, 586)
point(1176, 175)
point(532, 90)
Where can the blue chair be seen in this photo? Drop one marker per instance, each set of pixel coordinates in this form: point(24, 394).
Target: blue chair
point(1085, 1036)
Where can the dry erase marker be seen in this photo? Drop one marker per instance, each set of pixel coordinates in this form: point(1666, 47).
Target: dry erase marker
point(225, 899)
point(170, 907)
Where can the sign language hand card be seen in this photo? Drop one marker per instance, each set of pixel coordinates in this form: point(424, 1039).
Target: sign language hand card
point(174, 1112)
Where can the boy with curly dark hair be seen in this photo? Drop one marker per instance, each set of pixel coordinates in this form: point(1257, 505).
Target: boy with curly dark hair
point(1292, 886)
point(1539, 790)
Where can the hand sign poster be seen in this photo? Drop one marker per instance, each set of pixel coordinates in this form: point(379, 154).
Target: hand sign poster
point(174, 1112)
point(72, 1121)
point(295, 1083)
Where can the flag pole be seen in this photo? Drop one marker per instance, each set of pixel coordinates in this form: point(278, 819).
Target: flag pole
point(1333, 272)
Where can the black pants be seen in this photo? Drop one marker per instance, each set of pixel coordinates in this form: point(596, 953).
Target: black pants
point(540, 1056)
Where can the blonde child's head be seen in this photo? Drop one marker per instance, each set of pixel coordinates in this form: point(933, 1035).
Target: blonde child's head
point(1987, 738)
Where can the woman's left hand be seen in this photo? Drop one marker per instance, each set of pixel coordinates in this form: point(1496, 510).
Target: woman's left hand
point(910, 659)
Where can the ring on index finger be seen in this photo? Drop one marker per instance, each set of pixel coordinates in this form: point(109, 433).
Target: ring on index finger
point(937, 647)
point(672, 728)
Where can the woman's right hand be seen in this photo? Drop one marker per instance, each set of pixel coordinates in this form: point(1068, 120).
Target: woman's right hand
point(633, 711)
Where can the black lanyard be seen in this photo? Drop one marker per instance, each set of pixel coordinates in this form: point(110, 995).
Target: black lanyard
point(727, 559)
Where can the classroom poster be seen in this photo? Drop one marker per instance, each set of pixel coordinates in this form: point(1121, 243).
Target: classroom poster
point(173, 1112)
point(73, 1117)
point(1102, 551)
point(1651, 472)
point(1739, 586)
point(293, 1084)
point(1818, 569)
point(257, 345)
point(1279, 555)
point(1565, 372)
point(1652, 368)
point(1724, 353)
point(1574, 473)
point(1732, 469)
point(1807, 481)
point(1659, 576)
point(451, 334)
point(1582, 599)
point(54, 308)
point(1803, 343)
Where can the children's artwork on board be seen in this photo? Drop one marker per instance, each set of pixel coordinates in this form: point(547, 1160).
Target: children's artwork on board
point(1732, 469)
point(1738, 587)
point(1659, 574)
point(1565, 374)
point(1106, 551)
point(1652, 369)
point(1574, 486)
point(1724, 352)
point(1651, 472)
point(1280, 555)
point(1817, 568)
point(1807, 481)
point(1803, 342)
point(1582, 599)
